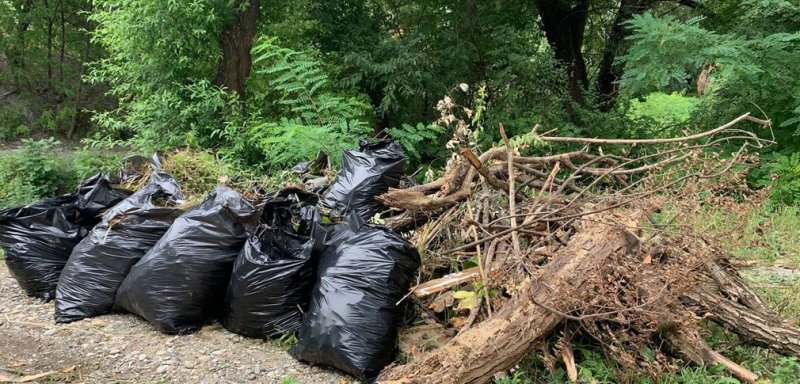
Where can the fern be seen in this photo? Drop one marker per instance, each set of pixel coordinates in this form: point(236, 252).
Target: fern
point(412, 137)
point(298, 114)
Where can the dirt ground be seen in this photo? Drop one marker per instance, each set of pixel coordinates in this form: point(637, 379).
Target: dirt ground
point(125, 349)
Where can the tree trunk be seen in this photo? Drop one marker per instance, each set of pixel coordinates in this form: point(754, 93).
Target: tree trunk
point(499, 343)
point(563, 23)
point(236, 43)
point(63, 43)
point(49, 44)
point(608, 73)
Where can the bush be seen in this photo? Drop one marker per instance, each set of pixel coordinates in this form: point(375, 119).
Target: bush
point(662, 114)
point(782, 174)
point(41, 168)
point(12, 123)
point(299, 113)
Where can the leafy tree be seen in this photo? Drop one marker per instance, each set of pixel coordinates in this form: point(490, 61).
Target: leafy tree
point(752, 68)
point(161, 59)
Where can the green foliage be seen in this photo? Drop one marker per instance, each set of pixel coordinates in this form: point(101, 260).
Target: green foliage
point(781, 173)
point(661, 114)
point(33, 171)
point(12, 123)
point(198, 171)
point(160, 59)
point(417, 140)
point(787, 371)
point(297, 116)
point(87, 163)
point(42, 168)
point(286, 341)
point(752, 66)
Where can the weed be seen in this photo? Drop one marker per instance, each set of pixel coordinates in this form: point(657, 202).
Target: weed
point(286, 341)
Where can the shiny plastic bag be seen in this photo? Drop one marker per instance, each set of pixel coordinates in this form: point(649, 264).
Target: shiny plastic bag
point(353, 317)
point(38, 238)
point(365, 174)
point(180, 283)
point(273, 275)
point(99, 263)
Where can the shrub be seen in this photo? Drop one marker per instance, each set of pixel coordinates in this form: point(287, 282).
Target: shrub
point(781, 173)
point(41, 168)
point(298, 113)
point(12, 123)
point(32, 171)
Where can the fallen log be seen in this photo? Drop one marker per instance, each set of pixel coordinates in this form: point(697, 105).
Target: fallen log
point(503, 340)
point(723, 297)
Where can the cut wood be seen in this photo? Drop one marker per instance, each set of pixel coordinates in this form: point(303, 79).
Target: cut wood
point(499, 343)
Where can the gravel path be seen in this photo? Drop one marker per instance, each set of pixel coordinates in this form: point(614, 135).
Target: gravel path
point(125, 349)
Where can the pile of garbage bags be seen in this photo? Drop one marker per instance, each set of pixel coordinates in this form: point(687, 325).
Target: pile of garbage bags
point(291, 262)
point(38, 238)
point(98, 264)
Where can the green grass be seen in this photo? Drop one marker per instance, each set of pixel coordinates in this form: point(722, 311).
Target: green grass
point(766, 236)
point(768, 241)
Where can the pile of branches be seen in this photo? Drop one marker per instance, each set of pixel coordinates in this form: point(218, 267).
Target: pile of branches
point(566, 245)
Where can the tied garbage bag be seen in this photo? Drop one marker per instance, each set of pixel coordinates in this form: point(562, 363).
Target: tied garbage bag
point(38, 238)
point(365, 174)
point(180, 282)
point(273, 274)
point(99, 263)
point(353, 317)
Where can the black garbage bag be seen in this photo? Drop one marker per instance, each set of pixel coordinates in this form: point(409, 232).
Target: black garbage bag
point(365, 174)
point(273, 275)
point(99, 263)
point(353, 317)
point(38, 238)
point(181, 282)
point(95, 196)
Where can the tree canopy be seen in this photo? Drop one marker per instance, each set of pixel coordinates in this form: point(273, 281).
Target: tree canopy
point(269, 83)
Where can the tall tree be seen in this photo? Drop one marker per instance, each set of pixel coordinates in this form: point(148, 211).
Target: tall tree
point(609, 71)
point(236, 43)
point(564, 23)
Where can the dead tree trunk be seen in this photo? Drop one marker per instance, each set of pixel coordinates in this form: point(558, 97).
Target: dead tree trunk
point(495, 345)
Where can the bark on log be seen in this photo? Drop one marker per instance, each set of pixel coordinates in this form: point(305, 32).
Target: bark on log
point(725, 299)
point(502, 341)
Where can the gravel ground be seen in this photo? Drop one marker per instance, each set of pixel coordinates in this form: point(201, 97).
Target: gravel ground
point(126, 349)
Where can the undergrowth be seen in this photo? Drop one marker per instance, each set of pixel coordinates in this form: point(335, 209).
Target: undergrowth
point(44, 168)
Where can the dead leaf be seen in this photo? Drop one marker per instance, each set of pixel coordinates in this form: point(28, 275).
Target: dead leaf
point(442, 302)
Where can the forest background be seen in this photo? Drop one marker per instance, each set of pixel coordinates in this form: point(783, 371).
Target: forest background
point(249, 88)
